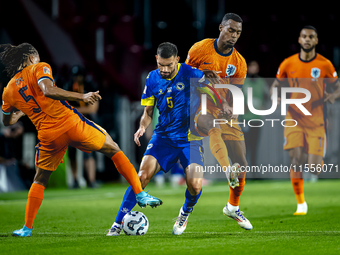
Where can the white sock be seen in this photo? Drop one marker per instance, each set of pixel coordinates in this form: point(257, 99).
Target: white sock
point(232, 208)
point(302, 207)
point(115, 224)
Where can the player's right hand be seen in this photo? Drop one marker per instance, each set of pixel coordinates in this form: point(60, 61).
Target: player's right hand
point(91, 97)
point(140, 132)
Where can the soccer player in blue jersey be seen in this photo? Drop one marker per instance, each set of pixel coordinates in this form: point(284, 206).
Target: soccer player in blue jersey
point(169, 88)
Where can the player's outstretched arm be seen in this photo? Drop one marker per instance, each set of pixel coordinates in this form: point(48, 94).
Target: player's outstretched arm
point(56, 93)
point(144, 123)
point(12, 118)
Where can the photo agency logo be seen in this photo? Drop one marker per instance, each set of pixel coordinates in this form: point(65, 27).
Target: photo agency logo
point(239, 100)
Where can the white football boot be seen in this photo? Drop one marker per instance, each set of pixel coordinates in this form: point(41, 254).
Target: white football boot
point(115, 230)
point(181, 223)
point(302, 209)
point(237, 215)
point(232, 175)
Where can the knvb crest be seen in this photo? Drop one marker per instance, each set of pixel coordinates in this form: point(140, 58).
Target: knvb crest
point(315, 72)
point(231, 70)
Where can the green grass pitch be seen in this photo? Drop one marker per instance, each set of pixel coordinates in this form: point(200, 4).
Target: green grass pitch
point(75, 222)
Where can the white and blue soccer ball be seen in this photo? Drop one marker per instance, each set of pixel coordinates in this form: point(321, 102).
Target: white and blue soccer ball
point(135, 224)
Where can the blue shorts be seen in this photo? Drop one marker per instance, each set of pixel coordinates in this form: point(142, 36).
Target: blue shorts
point(168, 151)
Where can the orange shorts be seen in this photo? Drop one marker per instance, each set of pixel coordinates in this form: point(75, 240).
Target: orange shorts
point(229, 133)
point(311, 139)
point(85, 135)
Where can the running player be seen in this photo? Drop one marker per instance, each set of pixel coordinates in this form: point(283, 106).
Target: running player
point(168, 88)
point(311, 71)
point(32, 92)
point(221, 62)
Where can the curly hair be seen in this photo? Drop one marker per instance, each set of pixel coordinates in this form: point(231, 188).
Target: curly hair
point(15, 56)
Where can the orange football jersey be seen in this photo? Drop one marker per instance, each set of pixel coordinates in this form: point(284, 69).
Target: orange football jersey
point(312, 75)
point(233, 67)
point(50, 117)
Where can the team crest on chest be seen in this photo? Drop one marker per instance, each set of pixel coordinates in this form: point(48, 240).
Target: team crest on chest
point(231, 70)
point(315, 72)
point(180, 86)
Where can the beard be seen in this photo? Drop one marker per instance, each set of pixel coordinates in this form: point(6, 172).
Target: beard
point(167, 75)
point(307, 50)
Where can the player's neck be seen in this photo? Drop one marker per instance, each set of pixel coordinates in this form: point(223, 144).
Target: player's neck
point(23, 65)
point(307, 56)
point(221, 49)
point(175, 72)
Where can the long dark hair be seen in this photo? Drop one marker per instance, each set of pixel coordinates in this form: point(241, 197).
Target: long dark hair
point(15, 56)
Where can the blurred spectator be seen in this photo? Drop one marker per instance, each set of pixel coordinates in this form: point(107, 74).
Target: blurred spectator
point(11, 152)
point(260, 96)
point(7, 143)
point(82, 84)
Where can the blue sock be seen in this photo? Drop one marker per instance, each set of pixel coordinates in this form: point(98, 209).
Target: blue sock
point(190, 201)
point(129, 201)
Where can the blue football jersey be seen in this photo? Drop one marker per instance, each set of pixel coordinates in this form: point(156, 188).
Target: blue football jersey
point(175, 98)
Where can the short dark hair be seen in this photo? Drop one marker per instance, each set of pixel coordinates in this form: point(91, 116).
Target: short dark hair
point(310, 27)
point(167, 50)
point(232, 16)
point(15, 56)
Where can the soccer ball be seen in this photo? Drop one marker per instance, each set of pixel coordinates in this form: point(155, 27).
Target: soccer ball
point(135, 224)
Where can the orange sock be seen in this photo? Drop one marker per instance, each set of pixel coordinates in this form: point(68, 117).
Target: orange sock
point(126, 169)
point(235, 194)
point(297, 182)
point(217, 147)
point(35, 197)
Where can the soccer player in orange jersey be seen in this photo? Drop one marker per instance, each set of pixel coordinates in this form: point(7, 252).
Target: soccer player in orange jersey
point(311, 71)
point(32, 92)
point(222, 63)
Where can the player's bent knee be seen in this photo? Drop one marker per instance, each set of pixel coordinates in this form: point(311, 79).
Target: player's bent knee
point(42, 176)
point(144, 178)
point(205, 123)
point(109, 148)
point(195, 186)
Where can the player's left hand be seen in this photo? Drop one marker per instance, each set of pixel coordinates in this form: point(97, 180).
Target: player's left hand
point(329, 97)
point(140, 132)
point(91, 97)
point(212, 76)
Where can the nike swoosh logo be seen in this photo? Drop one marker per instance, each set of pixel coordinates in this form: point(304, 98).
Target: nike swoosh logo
point(207, 63)
point(218, 150)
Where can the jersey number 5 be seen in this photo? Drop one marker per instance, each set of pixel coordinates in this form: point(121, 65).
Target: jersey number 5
point(169, 101)
point(28, 98)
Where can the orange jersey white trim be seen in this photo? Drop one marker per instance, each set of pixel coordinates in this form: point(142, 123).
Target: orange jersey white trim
point(50, 117)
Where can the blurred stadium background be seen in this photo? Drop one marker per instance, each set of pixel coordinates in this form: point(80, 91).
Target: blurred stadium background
point(114, 43)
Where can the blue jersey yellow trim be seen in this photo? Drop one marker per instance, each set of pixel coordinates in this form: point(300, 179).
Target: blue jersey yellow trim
point(174, 100)
point(150, 101)
point(178, 67)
